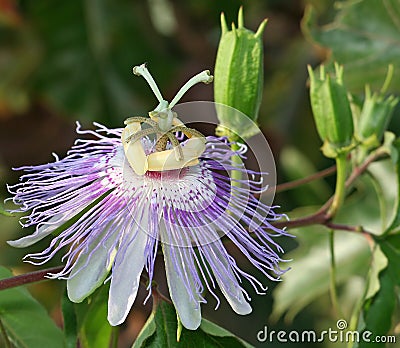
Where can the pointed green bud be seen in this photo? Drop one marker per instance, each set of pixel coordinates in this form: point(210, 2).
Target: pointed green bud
point(238, 75)
point(375, 116)
point(331, 110)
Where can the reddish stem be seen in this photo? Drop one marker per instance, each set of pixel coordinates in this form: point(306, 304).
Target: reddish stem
point(27, 278)
point(295, 183)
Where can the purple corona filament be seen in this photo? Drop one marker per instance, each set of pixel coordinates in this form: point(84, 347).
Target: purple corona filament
point(122, 218)
point(109, 212)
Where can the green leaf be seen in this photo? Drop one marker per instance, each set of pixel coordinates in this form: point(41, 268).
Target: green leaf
point(25, 322)
point(308, 277)
point(378, 311)
point(160, 330)
point(394, 226)
point(91, 315)
point(299, 287)
point(378, 264)
point(70, 322)
point(391, 248)
point(364, 36)
point(382, 177)
point(372, 204)
point(147, 331)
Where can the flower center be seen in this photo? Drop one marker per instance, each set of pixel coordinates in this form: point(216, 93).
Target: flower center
point(164, 123)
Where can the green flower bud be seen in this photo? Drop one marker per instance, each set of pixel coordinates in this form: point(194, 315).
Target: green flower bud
point(375, 116)
point(238, 76)
point(332, 112)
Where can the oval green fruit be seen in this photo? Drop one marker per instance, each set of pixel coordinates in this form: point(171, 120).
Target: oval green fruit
point(238, 76)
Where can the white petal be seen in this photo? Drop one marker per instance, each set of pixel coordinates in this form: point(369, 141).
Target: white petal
point(42, 232)
point(88, 274)
point(188, 310)
point(125, 278)
point(228, 283)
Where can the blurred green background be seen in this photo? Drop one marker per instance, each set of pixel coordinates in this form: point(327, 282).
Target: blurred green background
point(63, 61)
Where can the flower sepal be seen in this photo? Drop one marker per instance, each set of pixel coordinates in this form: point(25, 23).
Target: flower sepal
point(374, 118)
point(332, 151)
point(239, 76)
point(331, 110)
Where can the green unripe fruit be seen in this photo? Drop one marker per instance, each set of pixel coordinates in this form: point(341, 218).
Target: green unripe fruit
point(238, 75)
point(331, 110)
point(375, 116)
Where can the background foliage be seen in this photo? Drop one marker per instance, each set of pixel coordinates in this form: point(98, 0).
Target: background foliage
point(62, 61)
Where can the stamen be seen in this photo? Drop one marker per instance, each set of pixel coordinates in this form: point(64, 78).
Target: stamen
point(161, 144)
point(189, 132)
point(204, 77)
point(141, 134)
point(141, 70)
point(140, 119)
point(176, 145)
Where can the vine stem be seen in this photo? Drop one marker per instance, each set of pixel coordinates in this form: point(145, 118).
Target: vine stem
point(324, 215)
point(27, 278)
point(236, 160)
point(332, 277)
point(355, 316)
point(340, 189)
point(357, 229)
point(295, 183)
